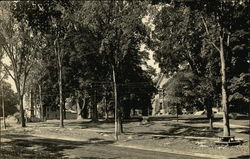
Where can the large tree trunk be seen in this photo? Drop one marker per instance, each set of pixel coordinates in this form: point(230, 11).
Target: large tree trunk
point(3, 109)
point(85, 108)
point(106, 108)
point(78, 109)
point(224, 99)
point(116, 108)
point(120, 118)
point(94, 114)
point(209, 109)
point(20, 98)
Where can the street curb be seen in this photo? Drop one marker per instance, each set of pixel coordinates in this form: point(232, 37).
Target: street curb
point(172, 151)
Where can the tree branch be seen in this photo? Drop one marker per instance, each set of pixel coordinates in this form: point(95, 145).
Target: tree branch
point(207, 31)
point(8, 71)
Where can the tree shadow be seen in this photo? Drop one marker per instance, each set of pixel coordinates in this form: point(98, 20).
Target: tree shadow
point(241, 157)
point(201, 121)
point(27, 146)
point(242, 117)
point(242, 130)
point(182, 130)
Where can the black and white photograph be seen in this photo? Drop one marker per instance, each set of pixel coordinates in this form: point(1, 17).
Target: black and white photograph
point(124, 79)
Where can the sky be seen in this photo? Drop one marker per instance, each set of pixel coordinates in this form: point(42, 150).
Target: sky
point(9, 79)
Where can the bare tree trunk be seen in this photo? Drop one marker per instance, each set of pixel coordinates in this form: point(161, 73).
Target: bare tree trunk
point(208, 104)
point(78, 109)
point(60, 90)
point(20, 97)
point(3, 109)
point(224, 100)
point(116, 110)
point(120, 118)
point(94, 114)
point(31, 104)
point(41, 102)
point(84, 108)
point(210, 116)
point(106, 108)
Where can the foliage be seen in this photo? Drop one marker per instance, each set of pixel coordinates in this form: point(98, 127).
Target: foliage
point(19, 45)
point(239, 90)
point(10, 99)
point(94, 36)
point(190, 45)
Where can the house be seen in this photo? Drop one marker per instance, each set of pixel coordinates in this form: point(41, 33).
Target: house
point(33, 110)
point(52, 114)
point(158, 99)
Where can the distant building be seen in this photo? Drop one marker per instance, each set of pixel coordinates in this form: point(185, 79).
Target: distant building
point(158, 99)
point(32, 110)
point(52, 114)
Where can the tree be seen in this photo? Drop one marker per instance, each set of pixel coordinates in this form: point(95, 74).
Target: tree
point(48, 20)
point(223, 18)
point(99, 40)
point(226, 16)
point(179, 39)
point(2, 95)
point(118, 25)
point(18, 44)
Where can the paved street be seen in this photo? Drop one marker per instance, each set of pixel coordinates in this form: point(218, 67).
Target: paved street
point(108, 151)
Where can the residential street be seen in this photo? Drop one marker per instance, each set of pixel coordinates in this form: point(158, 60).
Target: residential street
point(94, 148)
point(84, 139)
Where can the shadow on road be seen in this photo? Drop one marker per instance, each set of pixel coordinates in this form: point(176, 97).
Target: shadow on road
point(27, 146)
point(242, 157)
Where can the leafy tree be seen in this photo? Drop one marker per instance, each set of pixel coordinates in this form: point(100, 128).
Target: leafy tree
point(220, 20)
point(239, 88)
point(226, 14)
point(99, 40)
point(52, 12)
point(118, 25)
point(18, 44)
point(179, 39)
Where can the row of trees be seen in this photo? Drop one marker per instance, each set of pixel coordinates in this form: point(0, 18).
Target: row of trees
point(90, 51)
point(83, 49)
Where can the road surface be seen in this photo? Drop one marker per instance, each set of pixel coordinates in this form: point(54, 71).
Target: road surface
point(94, 148)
